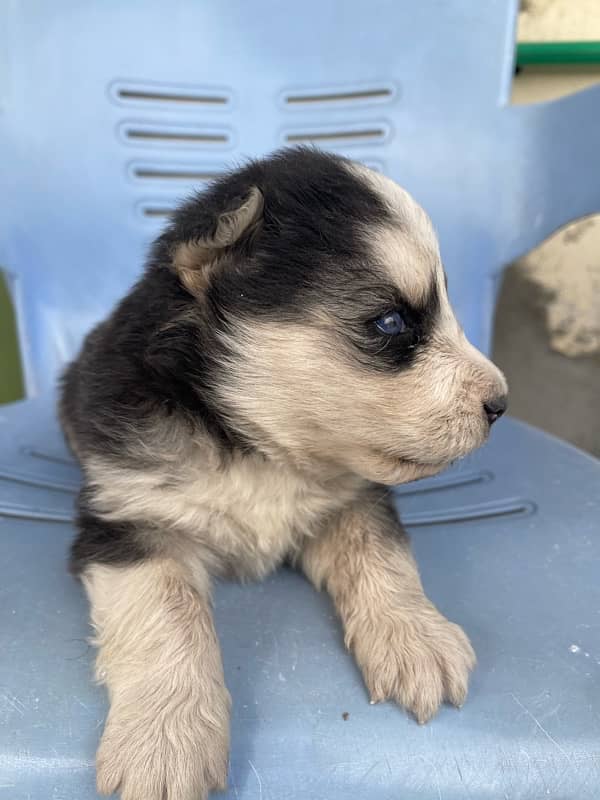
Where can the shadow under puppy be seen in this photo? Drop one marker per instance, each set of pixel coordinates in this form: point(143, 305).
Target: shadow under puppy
point(289, 349)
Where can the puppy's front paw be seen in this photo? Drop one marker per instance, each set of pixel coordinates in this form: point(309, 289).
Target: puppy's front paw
point(416, 658)
point(170, 751)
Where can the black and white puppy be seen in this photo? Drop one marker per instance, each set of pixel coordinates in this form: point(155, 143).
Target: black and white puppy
point(289, 349)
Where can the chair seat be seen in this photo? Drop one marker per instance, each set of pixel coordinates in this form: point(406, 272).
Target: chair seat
point(508, 543)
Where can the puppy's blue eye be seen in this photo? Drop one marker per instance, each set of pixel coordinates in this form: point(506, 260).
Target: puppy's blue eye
point(391, 323)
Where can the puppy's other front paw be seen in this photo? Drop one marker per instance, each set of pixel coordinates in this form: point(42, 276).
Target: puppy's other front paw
point(172, 754)
point(417, 658)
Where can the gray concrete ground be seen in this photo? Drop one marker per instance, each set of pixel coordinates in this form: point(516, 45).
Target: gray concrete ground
point(555, 392)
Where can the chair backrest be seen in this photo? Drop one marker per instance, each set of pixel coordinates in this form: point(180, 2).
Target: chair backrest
point(112, 111)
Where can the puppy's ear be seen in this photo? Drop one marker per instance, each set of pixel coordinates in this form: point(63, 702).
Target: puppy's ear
point(196, 260)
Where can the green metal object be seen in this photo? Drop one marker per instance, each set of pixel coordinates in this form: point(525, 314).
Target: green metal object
point(11, 375)
point(529, 53)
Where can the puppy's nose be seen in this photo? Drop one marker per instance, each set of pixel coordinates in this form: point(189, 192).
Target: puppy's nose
point(495, 408)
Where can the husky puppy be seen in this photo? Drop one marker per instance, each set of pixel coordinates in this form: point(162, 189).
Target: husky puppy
point(289, 349)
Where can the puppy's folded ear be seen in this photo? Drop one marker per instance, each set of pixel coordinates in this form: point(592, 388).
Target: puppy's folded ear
point(196, 260)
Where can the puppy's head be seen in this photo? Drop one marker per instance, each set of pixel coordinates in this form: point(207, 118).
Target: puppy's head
point(326, 322)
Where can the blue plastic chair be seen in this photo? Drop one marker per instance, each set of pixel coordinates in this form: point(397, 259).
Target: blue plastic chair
point(111, 112)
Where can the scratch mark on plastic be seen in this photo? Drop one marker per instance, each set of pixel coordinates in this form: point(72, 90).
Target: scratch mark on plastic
point(254, 770)
point(540, 726)
point(458, 769)
point(14, 703)
point(81, 703)
point(234, 783)
point(435, 774)
point(369, 770)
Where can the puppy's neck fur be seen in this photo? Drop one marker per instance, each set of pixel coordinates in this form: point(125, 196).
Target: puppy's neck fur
point(244, 513)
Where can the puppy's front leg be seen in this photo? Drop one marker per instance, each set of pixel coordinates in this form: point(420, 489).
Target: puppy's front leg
point(406, 649)
point(167, 732)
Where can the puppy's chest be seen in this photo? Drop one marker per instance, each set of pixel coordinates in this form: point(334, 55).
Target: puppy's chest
point(248, 515)
point(260, 512)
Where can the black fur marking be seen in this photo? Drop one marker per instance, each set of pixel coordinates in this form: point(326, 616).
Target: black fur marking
point(148, 359)
point(311, 238)
point(379, 351)
point(102, 542)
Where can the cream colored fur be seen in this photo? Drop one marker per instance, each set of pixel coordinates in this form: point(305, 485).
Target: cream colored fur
point(242, 520)
point(167, 733)
point(407, 651)
point(401, 427)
